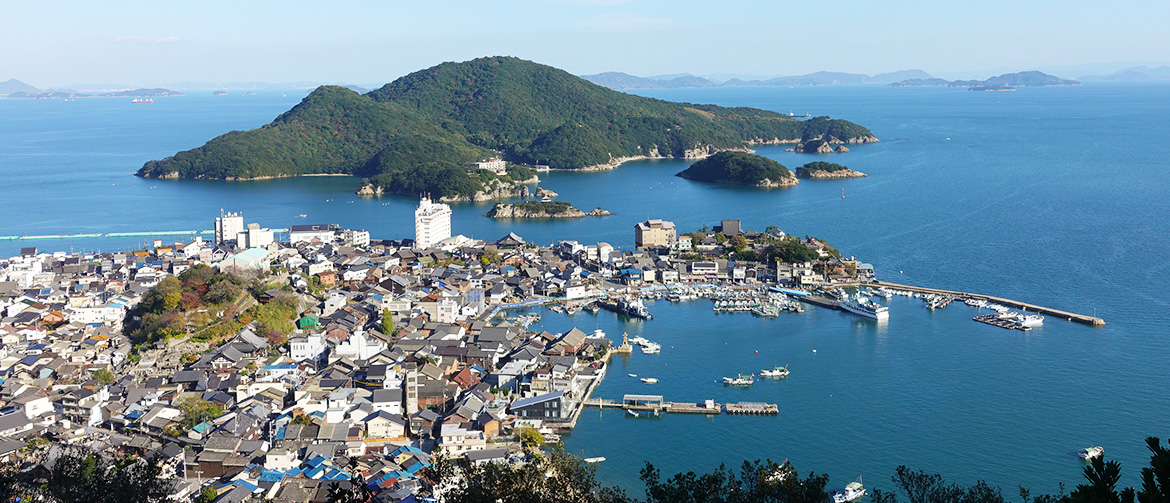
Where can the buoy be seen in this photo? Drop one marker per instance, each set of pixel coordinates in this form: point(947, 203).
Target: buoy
point(757, 351)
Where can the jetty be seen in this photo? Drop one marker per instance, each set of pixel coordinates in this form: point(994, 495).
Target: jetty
point(995, 321)
point(753, 408)
point(656, 404)
point(819, 301)
point(1056, 313)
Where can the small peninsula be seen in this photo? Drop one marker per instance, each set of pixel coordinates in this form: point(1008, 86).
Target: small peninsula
point(541, 209)
point(740, 168)
point(820, 169)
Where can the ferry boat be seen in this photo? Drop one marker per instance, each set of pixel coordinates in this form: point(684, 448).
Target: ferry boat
point(800, 116)
point(651, 349)
point(650, 380)
point(142, 100)
point(865, 307)
point(740, 380)
point(852, 491)
point(775, 372)
point(1089, 453)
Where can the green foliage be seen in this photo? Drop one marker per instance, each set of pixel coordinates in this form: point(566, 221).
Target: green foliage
point(491, 255)
point(755, 481)
point(790, 250)
point(736, 167)
point(162, 312)
point(827, 167)
point(555, 477)
point(551, 207)
point(82, 476)
point(207, 495)
point(278, 314)
point(530, 439)
point(444, 116)
point(196, 410)
point(104, 375)
point(387, 322)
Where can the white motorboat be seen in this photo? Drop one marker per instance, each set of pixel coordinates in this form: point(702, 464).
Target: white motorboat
point(1089, 453)
point(650, 380)
point(853, 491)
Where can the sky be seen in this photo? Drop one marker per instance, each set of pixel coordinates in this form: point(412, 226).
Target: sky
point(367, 42)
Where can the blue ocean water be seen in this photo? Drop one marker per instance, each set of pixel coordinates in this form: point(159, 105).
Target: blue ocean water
point(1054, 196)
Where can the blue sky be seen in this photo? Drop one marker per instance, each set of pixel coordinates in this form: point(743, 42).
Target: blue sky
point(144, 43)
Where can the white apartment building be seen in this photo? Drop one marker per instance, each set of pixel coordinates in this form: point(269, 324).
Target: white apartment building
point(432, 223)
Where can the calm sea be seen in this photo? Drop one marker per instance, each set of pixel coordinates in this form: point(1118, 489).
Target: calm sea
point(1054, 196)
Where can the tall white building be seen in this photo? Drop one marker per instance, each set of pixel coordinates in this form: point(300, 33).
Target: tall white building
point(227, 227)
point(432, 223)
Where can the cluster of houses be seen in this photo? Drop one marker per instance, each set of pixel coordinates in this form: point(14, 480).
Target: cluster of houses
point(397, 351)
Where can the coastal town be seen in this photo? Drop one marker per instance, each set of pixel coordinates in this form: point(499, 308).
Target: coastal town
point(274, 366)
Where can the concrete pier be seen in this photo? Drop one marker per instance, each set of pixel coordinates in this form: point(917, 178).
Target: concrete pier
point(1055, 313)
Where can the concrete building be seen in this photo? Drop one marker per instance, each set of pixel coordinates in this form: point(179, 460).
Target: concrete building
point(432, 223)
point(228, 227)
point(655, 233)
point(307, 233)
point(255, 237)
point(497, 166)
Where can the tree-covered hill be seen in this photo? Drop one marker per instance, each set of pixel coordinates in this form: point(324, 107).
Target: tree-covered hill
point(740, 168)
point(454, 113)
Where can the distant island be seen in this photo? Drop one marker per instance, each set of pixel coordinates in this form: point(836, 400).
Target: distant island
point(820, 169)
point(1006, 80)
point(622, 81)
point(740, 168)
point(542, 209)
point(143, 93)
point(16, 89)
point(421, 132)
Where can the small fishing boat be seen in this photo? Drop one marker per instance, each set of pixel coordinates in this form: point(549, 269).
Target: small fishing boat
point(778, 371)
point(594, 460)
point(1089, 453)
point(740, 380)
point(853, 491)
point(650, 380)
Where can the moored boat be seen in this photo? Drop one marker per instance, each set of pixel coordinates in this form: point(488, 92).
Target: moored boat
point(650, 380)
point(865, 307)
point(853, 491)
point(1089, 453)
point(740, 380)
point(778, 371)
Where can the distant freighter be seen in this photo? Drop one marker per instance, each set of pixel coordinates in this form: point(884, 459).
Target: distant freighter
point(143, 100)
point(801, 116)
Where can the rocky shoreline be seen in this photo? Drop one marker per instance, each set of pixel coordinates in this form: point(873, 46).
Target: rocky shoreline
point(803, 172)
point(494, 190)
point(520, 210)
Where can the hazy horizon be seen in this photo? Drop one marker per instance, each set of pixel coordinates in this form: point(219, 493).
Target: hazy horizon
point(151, 44)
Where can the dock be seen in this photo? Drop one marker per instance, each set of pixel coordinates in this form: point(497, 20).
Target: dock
point(995, 321)
point(1055, 313)
point(819, 301)
point(752, 408)
point(655, 404)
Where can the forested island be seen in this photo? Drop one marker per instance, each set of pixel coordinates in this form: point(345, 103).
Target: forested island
point(740, 168)
point(542, 209)
point(430, 124)
point(819, 169)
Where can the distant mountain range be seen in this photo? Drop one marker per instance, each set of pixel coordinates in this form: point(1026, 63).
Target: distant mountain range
point(13, 88)
point(1018, 79)
point(620, 81)
point(1135, 73)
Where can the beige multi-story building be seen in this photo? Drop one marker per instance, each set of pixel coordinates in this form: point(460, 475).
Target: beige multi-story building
point(654, 233)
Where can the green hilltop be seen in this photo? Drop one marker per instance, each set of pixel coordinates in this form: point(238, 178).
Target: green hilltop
point(439, 119)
